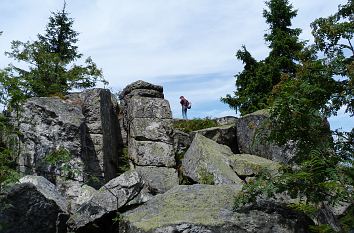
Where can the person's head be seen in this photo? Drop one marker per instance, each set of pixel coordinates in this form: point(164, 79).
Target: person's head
point(181, 97)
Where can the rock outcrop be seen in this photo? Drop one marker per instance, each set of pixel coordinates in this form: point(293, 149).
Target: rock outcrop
point(148, 122)
point(252, 132)
point(94, 128)
point(208, 208)
point(33, 206)
point(85, 124)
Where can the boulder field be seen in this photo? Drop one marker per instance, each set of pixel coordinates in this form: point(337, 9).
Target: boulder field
point(172, 181)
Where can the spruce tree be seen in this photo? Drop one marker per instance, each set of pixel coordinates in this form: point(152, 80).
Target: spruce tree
point(255, 83)
point(51, 62)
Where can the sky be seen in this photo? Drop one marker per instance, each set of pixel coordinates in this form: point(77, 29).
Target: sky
point(187, 46)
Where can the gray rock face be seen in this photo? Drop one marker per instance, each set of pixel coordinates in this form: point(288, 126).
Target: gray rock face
point(225, 134)
point(148, 121)
point(147, 107)
point(114, 195)
point(84, 123)
point(150, 153)
point(158, 179)
point(182, 141)
point(48, 124)
point(208, 209)
point(144, 88)
point(48, 190)
point(29, 206)
point(75, 193)
point(208, 162)
point(227, 120)
point(252, 131)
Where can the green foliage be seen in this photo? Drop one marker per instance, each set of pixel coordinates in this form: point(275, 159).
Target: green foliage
point(323, 228)
point(334, 37)
point(8, 155)
point(179, 157)
point(60, 160)
point(205, 177)
point(51, 69)
point(260, 186)
point(347, 221)
point(188, 126)
point(308, 92)
point(255, 83)
point(123, 161)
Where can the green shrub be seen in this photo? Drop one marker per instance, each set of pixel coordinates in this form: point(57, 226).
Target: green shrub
point(205, 177)
point(188, 126)
point(347, 221)
point(123, 161)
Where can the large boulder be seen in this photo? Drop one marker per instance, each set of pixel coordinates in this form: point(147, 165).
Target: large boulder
point(252, 133)
point(85, 124)
point(246, 165)
point(158, 179)
point(224, 134)
point(33, 206)
point(208, 162)
point(117, 193)
point(208, 209)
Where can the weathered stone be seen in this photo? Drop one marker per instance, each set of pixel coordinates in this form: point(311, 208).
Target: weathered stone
point(158, 179)
point(208, 209)
point(145, 107)
point(227, 120)
point(150, 129)
point(83, 123)
point(47, 189)
point(150, 153)
point(250, 165)
point(145, 93)
point(104, 134)
point(141, 86)
point(326, 216)
point(252, 132)
point(114, 195)
point(208, 162)
point(48, 124)
point(33, 206)
point(225, 135)
point(182, 141)
point(75, 193)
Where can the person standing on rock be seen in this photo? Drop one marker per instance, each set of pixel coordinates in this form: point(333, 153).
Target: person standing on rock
point(185, 105)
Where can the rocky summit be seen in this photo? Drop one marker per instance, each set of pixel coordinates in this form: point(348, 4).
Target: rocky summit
point(94, 162)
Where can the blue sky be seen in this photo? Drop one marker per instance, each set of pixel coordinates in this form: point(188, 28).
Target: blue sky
point(188, 46)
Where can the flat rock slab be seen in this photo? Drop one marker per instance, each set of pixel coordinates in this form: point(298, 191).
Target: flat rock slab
point(152, 129)
point(158, 179)
point(150, 153)
point(147, 107)
point(207, 209)
point(251, 165)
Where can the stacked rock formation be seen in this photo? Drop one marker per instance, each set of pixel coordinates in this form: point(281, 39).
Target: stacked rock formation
point(148, 122)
